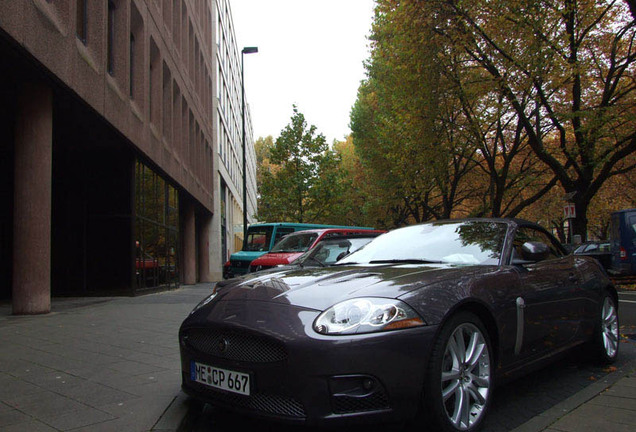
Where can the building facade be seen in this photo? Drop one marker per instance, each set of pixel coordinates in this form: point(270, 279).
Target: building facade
point(118, 146)
point(229, 129)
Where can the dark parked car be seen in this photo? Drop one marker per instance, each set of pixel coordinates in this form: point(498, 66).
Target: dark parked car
point(419, 325)
point(598, 250)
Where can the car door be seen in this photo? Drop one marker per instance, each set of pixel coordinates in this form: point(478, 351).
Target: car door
point(549, 302)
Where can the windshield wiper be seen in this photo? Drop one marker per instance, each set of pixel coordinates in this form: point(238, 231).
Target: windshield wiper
point(405, 261)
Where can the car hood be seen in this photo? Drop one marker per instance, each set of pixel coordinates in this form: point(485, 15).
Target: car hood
point(276, 258)
point(320, 288)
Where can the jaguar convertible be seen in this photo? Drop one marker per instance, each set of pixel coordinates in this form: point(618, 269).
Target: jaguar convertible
point(419, 325)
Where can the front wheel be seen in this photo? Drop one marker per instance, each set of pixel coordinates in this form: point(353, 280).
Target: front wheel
point(460, 375)
point(606, 336)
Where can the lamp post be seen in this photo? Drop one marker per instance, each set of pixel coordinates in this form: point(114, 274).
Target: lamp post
point(246, 50)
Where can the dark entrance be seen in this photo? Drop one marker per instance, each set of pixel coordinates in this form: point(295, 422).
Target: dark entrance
point(92, 220)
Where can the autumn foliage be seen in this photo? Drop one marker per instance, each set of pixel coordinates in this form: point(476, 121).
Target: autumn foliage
point(482, 108)
point(499, 108)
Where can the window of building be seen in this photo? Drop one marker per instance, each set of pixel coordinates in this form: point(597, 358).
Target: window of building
point(110, 41)
point(154, 78)
point(136, 54)
point(156, 230)
point(176, 24)
point(82, 20)
point(131, 66)
point(167, 103)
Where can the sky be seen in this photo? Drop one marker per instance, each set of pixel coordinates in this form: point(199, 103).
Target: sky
point(310, 54)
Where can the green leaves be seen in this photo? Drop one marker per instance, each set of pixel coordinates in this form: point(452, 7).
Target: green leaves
point(301, 181)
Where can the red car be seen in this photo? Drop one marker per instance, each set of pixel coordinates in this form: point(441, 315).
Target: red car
point(295, 244)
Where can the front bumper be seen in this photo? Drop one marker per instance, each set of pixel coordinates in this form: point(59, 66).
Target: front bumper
point(300, 376)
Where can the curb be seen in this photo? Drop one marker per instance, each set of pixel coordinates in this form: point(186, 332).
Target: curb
point(174, 417)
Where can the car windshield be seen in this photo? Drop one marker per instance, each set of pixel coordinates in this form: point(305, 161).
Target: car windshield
point(328, 252)
point(299, 242)
point(468, 242)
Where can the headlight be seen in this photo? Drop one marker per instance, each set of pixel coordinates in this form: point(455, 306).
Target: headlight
point(366, 315)
point(206, 300)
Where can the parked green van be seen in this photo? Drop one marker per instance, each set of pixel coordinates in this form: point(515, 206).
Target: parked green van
point(261, 238)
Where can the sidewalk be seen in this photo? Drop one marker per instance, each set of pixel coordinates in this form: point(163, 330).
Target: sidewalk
point(608, 405)
point(112, 365)
point(95, 364)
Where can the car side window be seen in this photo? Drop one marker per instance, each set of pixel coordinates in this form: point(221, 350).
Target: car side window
point(527, 234)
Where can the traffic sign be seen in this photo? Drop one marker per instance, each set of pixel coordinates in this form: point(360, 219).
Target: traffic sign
point(569, 211)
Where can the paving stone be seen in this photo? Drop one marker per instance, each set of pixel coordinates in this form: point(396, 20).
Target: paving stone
point(45, 405)
point(79, 419)
point(11, 386)
point(11, 417)
point(96, 395)
point(614, 402)
point(596, 417)
point(622, 391)
point(31, 425)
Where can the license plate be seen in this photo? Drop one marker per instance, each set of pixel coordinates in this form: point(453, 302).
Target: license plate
point(224, 379)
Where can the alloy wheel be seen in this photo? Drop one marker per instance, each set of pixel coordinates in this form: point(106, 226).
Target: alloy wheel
point(465, 376)
point(609, 326)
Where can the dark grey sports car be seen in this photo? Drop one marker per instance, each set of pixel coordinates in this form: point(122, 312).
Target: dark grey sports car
point(422, 321)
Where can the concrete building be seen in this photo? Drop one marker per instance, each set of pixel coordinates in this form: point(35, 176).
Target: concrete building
point(120, 147)
point(229, 129)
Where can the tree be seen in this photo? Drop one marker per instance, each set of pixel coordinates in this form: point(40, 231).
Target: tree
point(395, 123)
point(576, 61)
point(426, 120)
point(263, 148)
point(298, 175)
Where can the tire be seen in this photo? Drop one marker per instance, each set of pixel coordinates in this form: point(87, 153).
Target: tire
point(606, 335)
point(460, 376)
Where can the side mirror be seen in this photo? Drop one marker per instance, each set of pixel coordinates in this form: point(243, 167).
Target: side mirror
point(535, 251)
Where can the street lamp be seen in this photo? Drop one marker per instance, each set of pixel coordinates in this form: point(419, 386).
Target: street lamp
point(246, 50)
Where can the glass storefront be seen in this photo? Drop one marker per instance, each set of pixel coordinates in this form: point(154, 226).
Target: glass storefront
point(156, 230)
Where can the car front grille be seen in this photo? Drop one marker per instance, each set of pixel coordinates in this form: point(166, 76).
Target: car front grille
point(234, 345)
